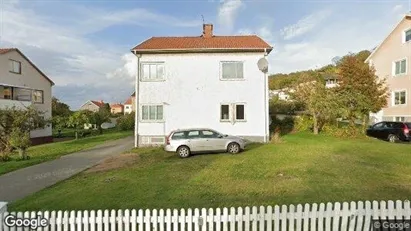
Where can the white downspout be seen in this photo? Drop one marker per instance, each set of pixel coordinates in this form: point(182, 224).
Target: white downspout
point(266, 106)
point(137, 106)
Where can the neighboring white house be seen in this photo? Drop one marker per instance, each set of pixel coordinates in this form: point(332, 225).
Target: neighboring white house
point(203, 81)
point(22, 84)
point(331, 81)
point(129, 105)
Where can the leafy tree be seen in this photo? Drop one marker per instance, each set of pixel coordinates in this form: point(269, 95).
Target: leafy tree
point(321, 103)
point(78, 119)
point(100, 117)
point(59, 108)
point(16, 124)
point(360, 90)
point(126, 122)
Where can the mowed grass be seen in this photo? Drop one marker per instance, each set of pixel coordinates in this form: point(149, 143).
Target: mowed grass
point(303, 169)
point(45, 152)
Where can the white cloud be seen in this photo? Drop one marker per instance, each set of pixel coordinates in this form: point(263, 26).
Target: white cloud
point(227, 13)
point(61, 48)
point(319, 48)
point(304, 25)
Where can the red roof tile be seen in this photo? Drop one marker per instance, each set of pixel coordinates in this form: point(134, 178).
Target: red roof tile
point(98, 103)
point(129, 101)
point(6, 50)
point(118, 105)
point(200, 43)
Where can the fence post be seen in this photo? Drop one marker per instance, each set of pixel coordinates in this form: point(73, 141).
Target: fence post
point(3, 207)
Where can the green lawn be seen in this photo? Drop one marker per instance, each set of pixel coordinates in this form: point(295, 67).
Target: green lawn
point(303, 169)
point(42, 153)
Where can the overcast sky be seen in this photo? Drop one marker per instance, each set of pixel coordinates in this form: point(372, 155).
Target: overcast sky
point(84, 46)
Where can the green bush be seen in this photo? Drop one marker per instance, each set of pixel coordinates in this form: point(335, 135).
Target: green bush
point(126, 122)
point(285, 125)
point(343, 131)
point(303, 123)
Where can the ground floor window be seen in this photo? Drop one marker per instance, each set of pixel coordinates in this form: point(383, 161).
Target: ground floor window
point(232, 112)
point(399, 118)
point(152, 112)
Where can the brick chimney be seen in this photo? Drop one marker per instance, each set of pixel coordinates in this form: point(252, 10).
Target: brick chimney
point(207, 30)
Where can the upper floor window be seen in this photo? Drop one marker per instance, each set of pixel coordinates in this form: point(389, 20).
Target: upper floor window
point(152, 113)
point(400, 67)
point(232, 70)
point(407, 35)
point(15, 66)
point(400, 98)
point(38, 96)
point(152, 71)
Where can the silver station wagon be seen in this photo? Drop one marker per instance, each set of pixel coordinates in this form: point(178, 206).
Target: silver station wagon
point(188, 141)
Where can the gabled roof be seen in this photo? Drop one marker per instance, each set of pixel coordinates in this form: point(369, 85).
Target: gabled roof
point(129, 101)
point(6, 50)
point(406, 17)
point(98, 103)
point(202, 44)
point(119, 105)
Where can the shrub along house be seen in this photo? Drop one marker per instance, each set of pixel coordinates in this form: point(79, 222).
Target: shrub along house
point(201, 81)
point(23, 84)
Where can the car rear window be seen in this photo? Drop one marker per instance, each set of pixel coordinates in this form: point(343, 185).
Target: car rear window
point(408, 125)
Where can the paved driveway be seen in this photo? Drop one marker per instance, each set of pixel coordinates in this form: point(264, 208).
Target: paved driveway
point(23, 182)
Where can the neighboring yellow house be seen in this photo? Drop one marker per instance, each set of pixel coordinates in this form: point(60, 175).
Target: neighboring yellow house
point(23, 84)
point(117, 108)
point(392, 60)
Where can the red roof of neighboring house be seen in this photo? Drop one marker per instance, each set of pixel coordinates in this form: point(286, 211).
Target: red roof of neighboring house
point(205, 43)
point(129, 101)
point(118, 105)
point(6, 50)
point(98, 103)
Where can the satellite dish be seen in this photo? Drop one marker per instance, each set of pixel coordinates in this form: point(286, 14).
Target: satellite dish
point(263, 65)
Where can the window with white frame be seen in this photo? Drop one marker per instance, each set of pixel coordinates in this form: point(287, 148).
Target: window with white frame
point(400, 97)
point(15, 66)
point(400, 67)
point(232, 112)
point(152, 71)
point(38, 96)
point(407, 35)
point(152, 112)
point(399, 118)
point(232, 70)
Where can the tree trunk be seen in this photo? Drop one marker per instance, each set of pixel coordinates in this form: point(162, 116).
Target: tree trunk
point(315, 125)
point(100, 129)
point(365, 122)
point(76, 134)
point(22, 153)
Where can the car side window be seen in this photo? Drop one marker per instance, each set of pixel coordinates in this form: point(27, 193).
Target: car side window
point(193, 134)
point(179, 136)
point(378, 126)
point(209, 134)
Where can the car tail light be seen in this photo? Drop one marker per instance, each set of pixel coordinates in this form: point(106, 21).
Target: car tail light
point(406, 130)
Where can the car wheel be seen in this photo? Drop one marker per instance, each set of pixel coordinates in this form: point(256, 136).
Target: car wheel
point(393, 138)
point(183, 151)
point(233, 148)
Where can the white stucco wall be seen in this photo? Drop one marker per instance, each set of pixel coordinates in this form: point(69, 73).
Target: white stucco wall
point(192, 93)
point(29, 78)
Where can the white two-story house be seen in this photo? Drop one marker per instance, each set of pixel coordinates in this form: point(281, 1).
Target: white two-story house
point(22, 84)
point(204, 81)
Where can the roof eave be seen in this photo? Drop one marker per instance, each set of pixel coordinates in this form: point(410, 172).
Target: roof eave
point(200, 50)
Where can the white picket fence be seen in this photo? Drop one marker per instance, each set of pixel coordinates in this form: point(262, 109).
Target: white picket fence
point(337, 216)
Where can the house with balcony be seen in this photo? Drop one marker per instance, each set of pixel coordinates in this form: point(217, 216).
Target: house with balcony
point(203, 81)
point(391, 60)
point(23, 84)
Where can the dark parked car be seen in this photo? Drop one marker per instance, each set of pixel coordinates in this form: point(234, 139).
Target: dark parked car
point(391, 131)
